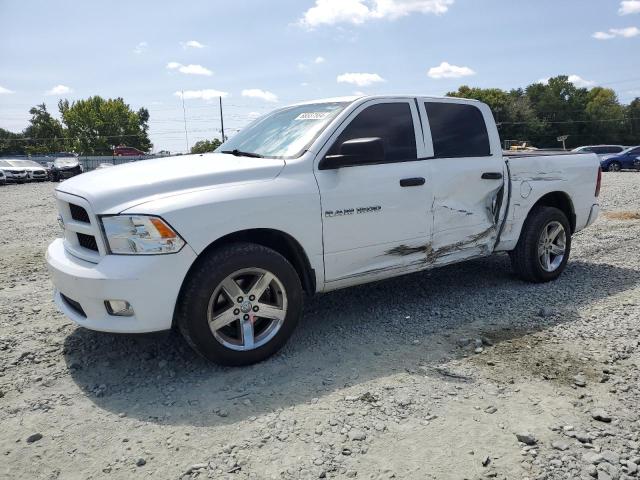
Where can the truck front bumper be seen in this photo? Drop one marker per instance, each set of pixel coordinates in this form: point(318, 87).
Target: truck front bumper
point(150, 283)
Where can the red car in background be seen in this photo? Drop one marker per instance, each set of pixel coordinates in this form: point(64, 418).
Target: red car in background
point(122, 151)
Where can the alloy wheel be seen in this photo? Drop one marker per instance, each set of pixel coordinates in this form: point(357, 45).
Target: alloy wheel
point(552, 246)
point(247, 309)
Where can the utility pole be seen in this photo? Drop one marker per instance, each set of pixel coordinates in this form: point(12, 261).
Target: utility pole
point(184, 116)
point(221, 120)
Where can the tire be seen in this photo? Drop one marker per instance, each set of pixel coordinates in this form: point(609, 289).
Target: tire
point(527, 261)
point(204, 299)
point(614, 167)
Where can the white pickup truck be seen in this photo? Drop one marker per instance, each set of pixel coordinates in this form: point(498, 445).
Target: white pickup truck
point(310, 198)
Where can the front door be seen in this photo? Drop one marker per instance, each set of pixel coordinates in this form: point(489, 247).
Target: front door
point(375, 216)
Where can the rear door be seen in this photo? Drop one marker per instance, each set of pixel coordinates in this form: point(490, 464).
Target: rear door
point(467, 177)
point(375, 216)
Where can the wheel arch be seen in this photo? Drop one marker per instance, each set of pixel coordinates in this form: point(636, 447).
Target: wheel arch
point(560, 200)
point(277, 240)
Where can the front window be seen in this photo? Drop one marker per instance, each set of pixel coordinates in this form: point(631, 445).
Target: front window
point(392, 123)
point(285, 133)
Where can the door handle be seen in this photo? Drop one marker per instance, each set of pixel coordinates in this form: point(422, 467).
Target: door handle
point(491, 176)
point(412, 182)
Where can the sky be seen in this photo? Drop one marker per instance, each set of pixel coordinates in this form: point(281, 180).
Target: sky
point(259, 55)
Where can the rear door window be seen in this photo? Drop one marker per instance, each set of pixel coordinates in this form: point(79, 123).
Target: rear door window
point(392, 122)
point(457, 130)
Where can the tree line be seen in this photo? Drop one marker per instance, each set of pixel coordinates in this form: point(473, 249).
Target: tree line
point(88, 127)
point(542, 112)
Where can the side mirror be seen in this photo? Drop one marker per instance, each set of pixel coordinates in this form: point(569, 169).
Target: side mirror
point(358, 151)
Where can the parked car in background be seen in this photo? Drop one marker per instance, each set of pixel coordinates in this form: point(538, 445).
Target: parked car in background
point(3, 177)
point(625, 160)
point(13, 174)
point(35, 171)
point(65, 167)
point(600, 150)
point(122, 151)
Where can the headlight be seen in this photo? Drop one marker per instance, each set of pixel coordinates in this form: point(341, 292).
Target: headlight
point(140, 235)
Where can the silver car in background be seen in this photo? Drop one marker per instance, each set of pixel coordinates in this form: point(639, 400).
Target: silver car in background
point(600, 150)
point(35, 171)
point(13, 174)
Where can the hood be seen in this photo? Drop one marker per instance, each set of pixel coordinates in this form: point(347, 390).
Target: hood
point(112, 190)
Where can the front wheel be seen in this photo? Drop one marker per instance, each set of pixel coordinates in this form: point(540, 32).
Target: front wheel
point(614, 167)
point(240, 304)
point(543, 249)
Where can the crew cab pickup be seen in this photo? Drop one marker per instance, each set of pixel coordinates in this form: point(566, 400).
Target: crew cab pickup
point(312, 197)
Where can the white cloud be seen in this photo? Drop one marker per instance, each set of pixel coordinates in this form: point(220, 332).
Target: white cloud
point(254, 115)
point(5, 91)
point(603, 36)
point(192, 44)
point(329, 12)
point(319, 60)
point(59, 90)
point(189, 69)
point(628, 7)
point(628, 32)
point(207, 94)
point(446, 70)
point(577, 80)
point(141, 48)
point(360, 79)
point(261, 94)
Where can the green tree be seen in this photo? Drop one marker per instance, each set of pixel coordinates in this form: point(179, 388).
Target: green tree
point(632, 132)
point(95, 125)
point(11, 143)
point(204, 146)
point(512, 111)
point(44, 133)
point(561, 105)
point(605, 116)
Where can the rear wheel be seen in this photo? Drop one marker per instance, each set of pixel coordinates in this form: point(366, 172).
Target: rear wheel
point(543, 249)
point(240, 304)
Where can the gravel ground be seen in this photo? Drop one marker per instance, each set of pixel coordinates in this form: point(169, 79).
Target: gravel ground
point(459, 373)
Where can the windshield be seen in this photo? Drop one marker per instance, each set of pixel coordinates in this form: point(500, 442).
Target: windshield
point(65, 161)
point(285, 133)
point(24, 163)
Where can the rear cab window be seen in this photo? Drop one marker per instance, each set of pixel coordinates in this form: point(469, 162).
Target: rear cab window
point(457, 130)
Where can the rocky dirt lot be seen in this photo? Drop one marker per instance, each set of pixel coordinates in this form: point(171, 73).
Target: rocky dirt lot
point(459, 373)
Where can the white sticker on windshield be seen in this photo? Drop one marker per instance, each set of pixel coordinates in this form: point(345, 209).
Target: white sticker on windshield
point(312, 116)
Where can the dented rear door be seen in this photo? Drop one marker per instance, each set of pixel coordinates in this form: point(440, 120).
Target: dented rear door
point(467, 174)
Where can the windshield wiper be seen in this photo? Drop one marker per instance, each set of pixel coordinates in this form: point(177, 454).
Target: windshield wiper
point(240, 153)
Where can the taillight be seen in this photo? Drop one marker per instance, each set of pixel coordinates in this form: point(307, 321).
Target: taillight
point(598, 181)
